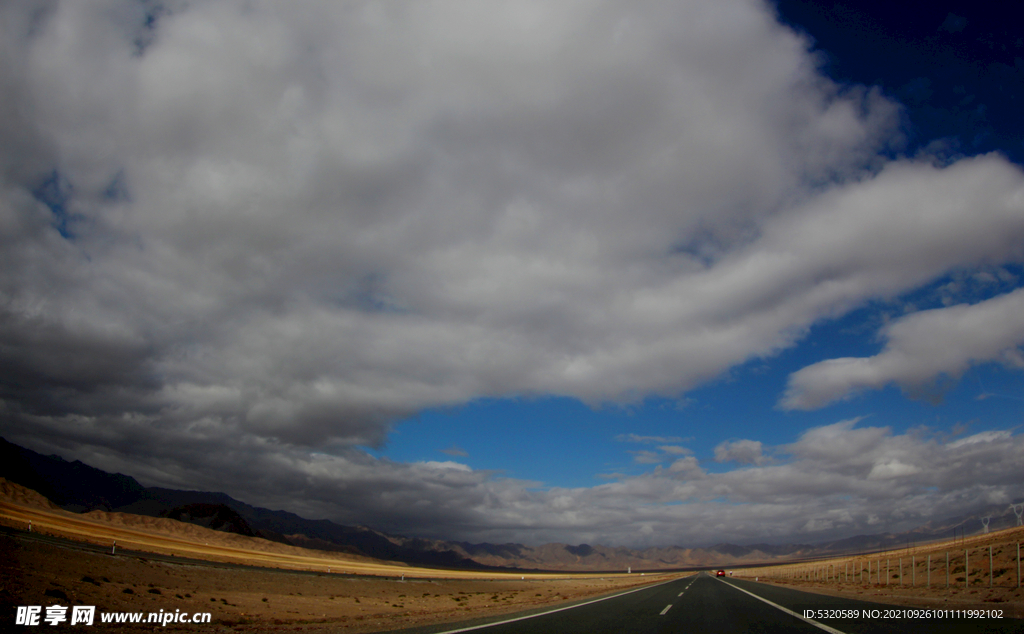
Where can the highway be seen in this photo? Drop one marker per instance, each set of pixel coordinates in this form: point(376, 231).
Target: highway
point(703, 603)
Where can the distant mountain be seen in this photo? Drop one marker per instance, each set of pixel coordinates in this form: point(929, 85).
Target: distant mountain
point(75, 486)
point(587, 557)
point(78, 487)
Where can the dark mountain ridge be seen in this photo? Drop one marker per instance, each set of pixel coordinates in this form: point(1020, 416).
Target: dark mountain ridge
point(78, 487)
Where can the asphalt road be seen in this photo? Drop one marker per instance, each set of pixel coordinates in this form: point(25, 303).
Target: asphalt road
point(702, 603)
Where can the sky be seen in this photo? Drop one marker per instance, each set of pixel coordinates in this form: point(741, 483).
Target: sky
point(634, 273)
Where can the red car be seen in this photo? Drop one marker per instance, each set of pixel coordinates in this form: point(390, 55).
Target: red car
point(721, 573)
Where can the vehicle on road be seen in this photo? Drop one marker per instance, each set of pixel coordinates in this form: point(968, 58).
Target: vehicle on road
point(721, 573)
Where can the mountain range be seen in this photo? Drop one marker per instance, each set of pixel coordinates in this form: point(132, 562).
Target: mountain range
point(78, 487)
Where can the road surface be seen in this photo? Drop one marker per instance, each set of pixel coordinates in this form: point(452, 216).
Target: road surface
point(703, 603)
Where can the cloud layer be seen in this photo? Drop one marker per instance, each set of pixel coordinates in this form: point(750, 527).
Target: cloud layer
point(832, 481)
point(256, 231)
point(920, 347)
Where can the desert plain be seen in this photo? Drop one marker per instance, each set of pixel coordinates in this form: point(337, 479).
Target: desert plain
point(128, 563)
point(916, 576)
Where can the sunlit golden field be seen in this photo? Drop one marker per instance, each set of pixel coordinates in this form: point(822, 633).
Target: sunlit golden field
point(292, 588)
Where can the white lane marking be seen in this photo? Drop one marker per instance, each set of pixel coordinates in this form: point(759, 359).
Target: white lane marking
point(568, 607)
point(830, 630)
point(681, 593)
point(667, 608)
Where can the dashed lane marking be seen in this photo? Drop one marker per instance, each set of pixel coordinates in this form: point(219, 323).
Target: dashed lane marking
point(667, 608)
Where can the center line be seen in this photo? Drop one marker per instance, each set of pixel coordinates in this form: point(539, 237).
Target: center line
point(667, 608)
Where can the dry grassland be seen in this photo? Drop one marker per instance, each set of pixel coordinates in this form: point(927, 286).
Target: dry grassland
point(293, 591)
point(908, 581)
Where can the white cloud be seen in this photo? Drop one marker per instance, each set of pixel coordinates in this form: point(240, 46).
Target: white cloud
point(257, 230)
point(447, 464)
point(688, 467)
point(740, 451)
point(983, 437)
point(890, 470)
point(920, 347)
point(287, 235)
point(647, 457)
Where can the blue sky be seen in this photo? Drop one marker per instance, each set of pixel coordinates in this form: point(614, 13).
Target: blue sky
point(638, 273)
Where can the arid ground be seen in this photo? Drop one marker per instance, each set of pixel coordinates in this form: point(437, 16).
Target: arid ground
point(292, 590)
point(848, 577)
